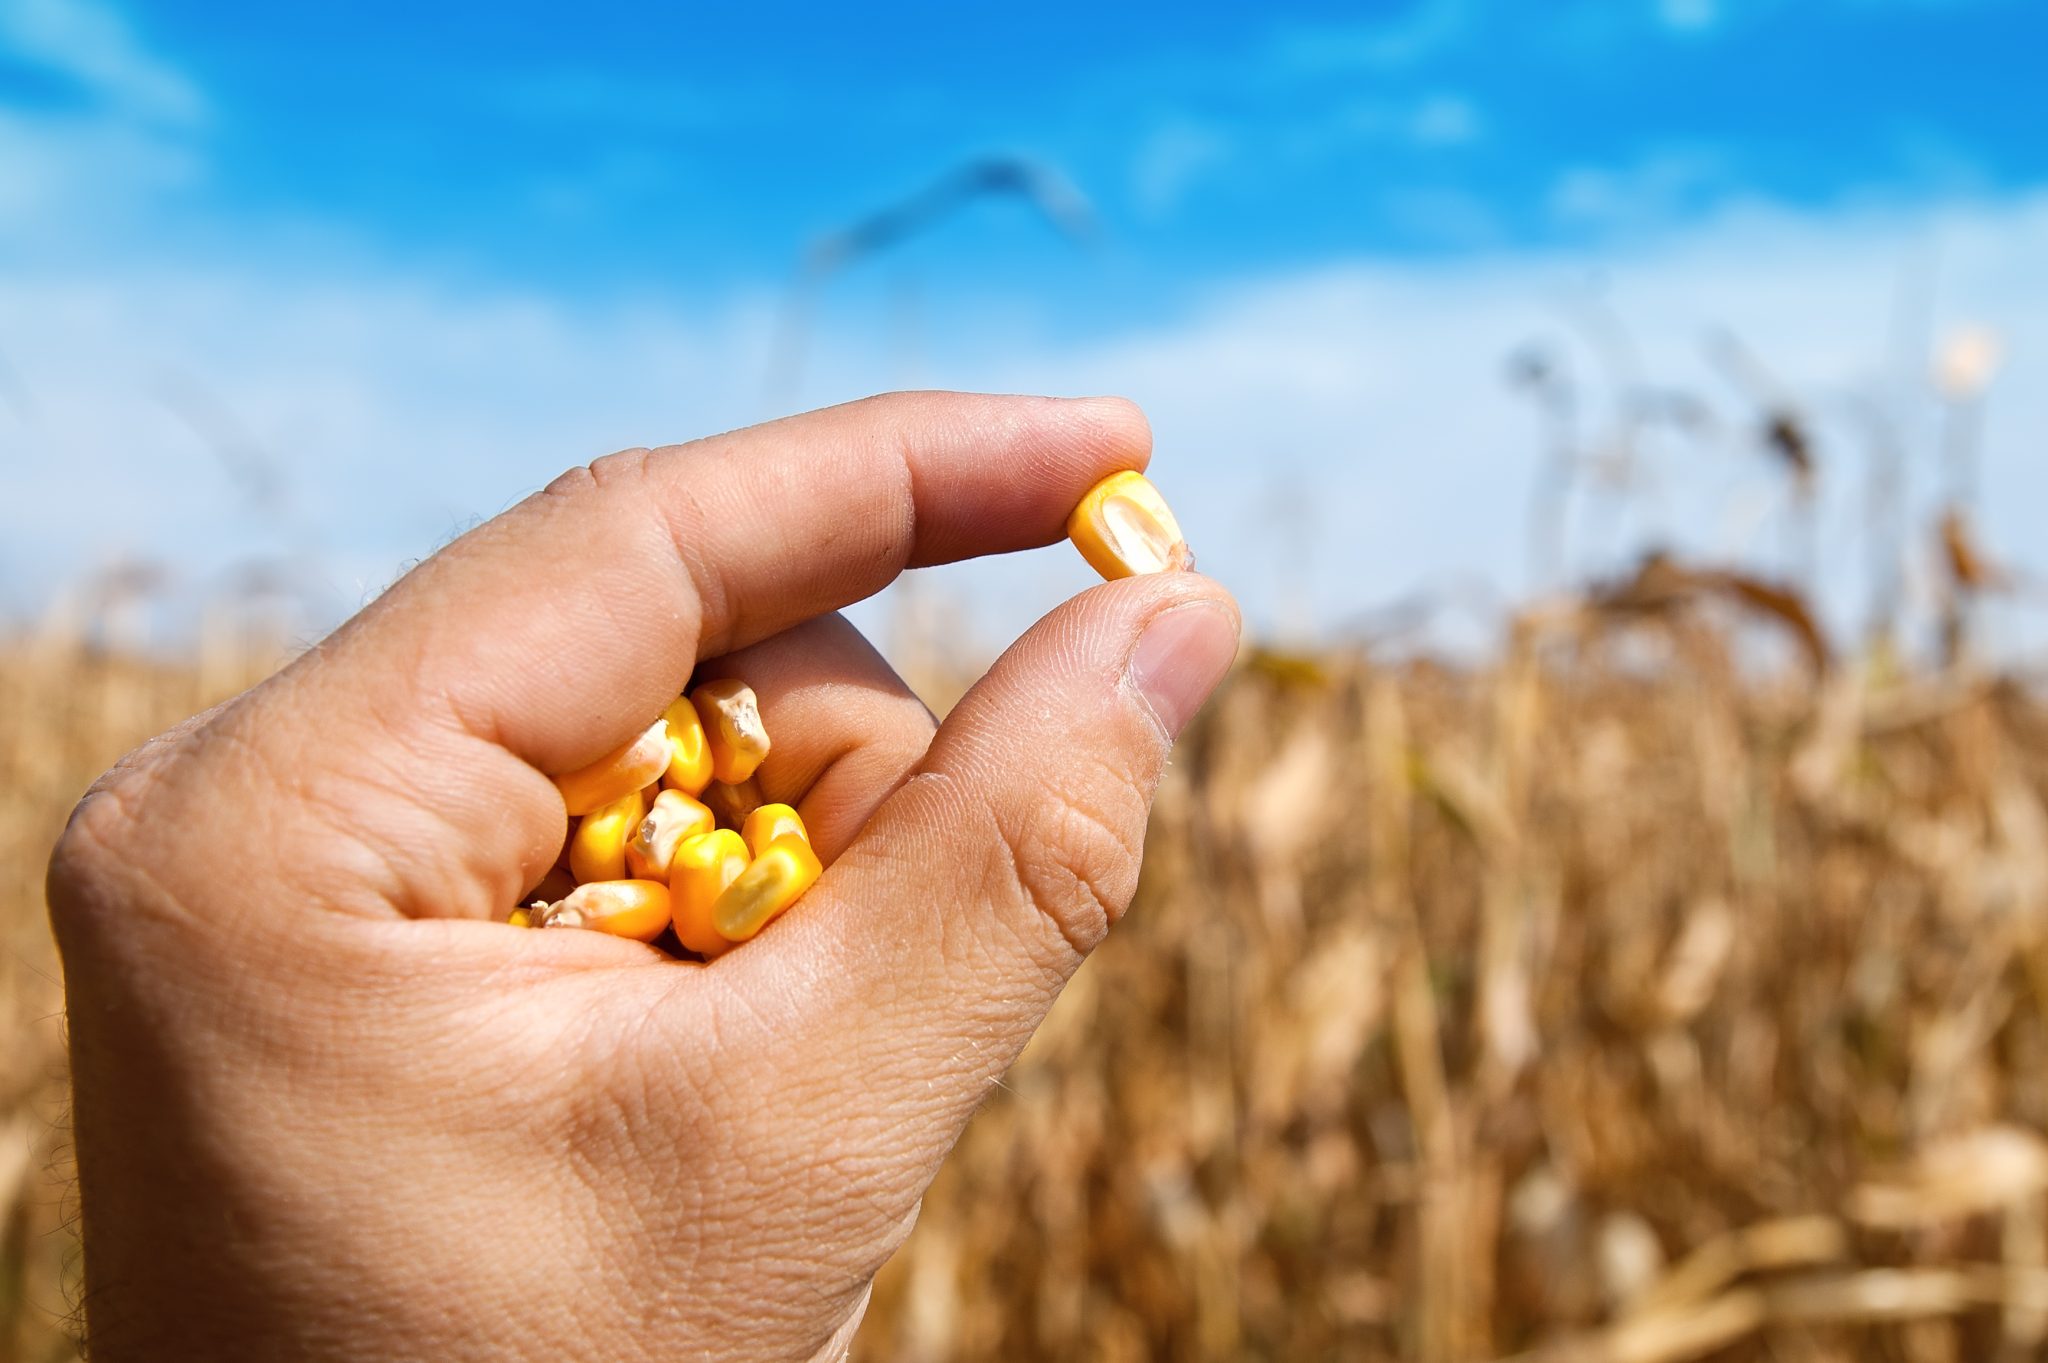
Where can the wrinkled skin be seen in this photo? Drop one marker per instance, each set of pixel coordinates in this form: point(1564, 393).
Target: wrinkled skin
point(329, 1106)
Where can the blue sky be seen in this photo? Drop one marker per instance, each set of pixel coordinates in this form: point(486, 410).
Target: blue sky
point(418, 257)
point(682, 149)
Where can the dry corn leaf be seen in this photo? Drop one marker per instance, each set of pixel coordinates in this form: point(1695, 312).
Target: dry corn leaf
point(1980, 1171)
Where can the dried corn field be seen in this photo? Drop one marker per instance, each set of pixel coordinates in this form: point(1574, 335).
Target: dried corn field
point(67, 711)
point(1595, 1004)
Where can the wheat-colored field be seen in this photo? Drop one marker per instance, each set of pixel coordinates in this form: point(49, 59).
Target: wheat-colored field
point(67, 711)
point(1600, 1002)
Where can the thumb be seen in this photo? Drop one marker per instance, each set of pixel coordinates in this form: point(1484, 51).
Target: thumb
point(1041, 780)
point(923, 960)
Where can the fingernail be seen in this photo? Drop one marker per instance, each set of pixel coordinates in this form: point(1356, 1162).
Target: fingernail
point(1180, 659)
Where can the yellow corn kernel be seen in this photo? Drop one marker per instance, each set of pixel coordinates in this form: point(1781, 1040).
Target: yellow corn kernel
point(768, 823)
point(618, 772)
point(674, 818)
point(624, 908)
point(597, 851)
point(1123, 527)
point(689, 759)
point(771, 883)
point(520, 918)
point(702, 868)
point(733, 730)
point(556, 884)
point(732, 806)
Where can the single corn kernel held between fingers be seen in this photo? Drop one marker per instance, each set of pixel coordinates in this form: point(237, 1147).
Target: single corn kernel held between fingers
point(1123, 527)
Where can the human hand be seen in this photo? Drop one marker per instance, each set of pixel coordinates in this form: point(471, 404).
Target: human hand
point(329, 1106)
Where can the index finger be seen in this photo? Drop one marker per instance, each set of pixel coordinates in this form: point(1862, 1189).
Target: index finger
point(562, 627)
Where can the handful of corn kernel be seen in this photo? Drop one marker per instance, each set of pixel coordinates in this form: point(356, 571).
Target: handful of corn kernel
point(647, 854)
point(669, 831)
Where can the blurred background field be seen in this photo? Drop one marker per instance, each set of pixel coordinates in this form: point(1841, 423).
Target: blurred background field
point(1598, 1002)
point(1604, 917)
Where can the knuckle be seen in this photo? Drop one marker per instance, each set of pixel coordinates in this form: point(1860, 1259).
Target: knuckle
point(711, 583)
point(1076, 860)
point(626, 466)
point(570, 485)
point(95, 884)
point(586, 479)
point(98, 824)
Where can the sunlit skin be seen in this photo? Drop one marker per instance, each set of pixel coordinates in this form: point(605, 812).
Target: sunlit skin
point(330, 1105)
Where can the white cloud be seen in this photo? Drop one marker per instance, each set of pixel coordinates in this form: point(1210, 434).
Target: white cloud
point(1175, 156)
point(89, 167)
point(393, 413)
point(1689, 16)
point(1444, 217)
point(1183, 153)
point(1333, 437)
point(1648, 193)
point(64, 176)
point(1336, 438)
point(92, 45)
point(1446, 121)
point(1425, 29)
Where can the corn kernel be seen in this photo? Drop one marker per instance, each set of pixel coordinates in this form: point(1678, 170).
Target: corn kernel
point(702, 868)
point(617, 773)
point(597, 850)
point(520, 918)
point(556, 884)
point(768, 823)
point(771, 883)
point(624, 908)
point(1123, 527)
point(733, 731)
point(674, 818)
point(733, 805)
point(689, 760)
